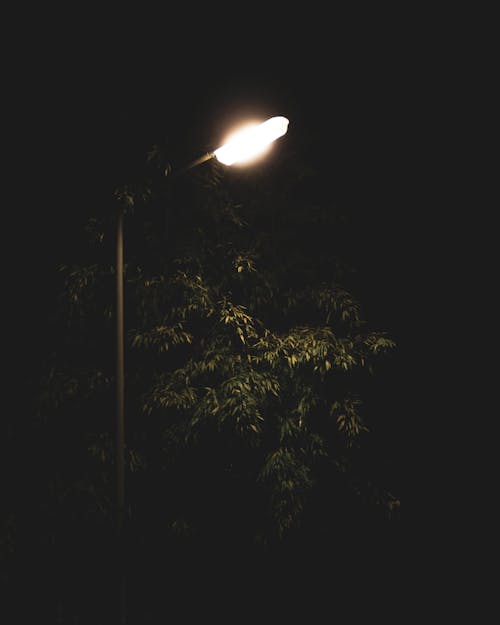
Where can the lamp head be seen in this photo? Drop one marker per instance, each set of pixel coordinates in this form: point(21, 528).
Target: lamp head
point(251, 141)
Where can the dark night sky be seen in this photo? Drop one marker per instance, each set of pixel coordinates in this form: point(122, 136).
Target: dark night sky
point(364, 96)
point(352, 93)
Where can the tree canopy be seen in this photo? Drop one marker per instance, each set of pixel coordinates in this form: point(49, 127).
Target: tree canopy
point(246, 352)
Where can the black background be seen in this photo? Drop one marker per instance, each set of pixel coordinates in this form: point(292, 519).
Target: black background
point(352, 92)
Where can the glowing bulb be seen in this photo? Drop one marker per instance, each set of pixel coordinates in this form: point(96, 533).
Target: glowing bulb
point(251, 141)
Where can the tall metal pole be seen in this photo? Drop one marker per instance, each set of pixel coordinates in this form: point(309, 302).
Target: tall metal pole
point(120, 422)
point(120, 380)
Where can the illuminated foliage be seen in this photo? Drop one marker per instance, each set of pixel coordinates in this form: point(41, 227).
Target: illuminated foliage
point(245, 352)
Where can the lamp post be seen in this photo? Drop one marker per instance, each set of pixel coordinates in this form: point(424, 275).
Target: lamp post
point(242, 146)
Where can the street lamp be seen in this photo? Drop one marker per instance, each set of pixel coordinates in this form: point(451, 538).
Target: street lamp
point(252, 140)
point(247, 143)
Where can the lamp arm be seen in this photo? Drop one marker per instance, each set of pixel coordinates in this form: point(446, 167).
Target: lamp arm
point(206, 157)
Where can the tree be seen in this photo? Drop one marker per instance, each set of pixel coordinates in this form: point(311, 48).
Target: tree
point(246, 353)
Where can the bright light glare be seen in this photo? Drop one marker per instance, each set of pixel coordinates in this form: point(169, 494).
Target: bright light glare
point(251, 141)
